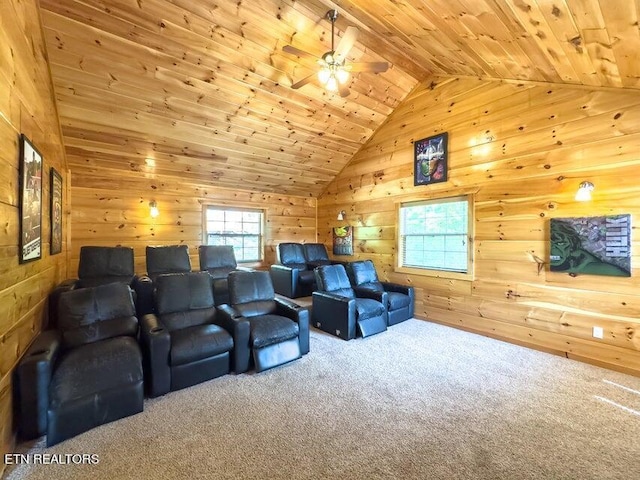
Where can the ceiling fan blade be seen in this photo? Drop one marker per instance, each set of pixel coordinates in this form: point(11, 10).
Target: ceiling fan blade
point(344, 90)
point(376, 67)
point(346, 43)
point(299, 53)
point(303, 81)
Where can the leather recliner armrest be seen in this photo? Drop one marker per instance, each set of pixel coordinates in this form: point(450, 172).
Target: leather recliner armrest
point(329, 307)
point(285, 280)
point(298, 314)
point(407, 290)
point(143, 288)
point(381, 297)
point(396, 287)
point(156, 345)
point(238, 328)
point(32, 377)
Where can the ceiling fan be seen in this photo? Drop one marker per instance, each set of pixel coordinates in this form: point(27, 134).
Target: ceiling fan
point(334, 72)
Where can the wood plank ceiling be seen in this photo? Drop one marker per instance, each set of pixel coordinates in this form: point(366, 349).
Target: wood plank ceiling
point(200, 89)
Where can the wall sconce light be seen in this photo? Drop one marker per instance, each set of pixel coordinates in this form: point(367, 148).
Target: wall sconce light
point(153, 209)
point(584, 192)
point(341, 215)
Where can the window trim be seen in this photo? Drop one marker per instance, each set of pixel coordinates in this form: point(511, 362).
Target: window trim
point(263, 228)
point(430, 272)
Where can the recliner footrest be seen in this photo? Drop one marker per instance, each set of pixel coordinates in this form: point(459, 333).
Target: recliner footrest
point(276, 354)
point(371, 326)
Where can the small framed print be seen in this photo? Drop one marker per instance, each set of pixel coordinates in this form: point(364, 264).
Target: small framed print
point(430, 160)
point(56, 212)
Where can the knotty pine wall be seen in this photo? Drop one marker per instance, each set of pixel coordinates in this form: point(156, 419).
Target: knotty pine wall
point(26, 106)
point(522, 149)
point(113, 209)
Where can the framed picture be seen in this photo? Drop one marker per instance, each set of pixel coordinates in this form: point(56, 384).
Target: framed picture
point(30, 201)
point(430, 160)
point(56, 212)
point(591, 245)
point(343, 240)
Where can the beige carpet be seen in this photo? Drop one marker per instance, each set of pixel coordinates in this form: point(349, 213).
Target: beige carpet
point(420, 401)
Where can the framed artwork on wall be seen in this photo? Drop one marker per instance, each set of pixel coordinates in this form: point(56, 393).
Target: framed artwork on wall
point(430, 162)
point(591, 245)
point(343, 240)
point(30, 201)
point(56, 212)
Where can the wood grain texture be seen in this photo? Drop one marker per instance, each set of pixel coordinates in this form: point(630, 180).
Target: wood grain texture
point(108, 212)
point(522, 151)
point(202, 90)
point(26, 106)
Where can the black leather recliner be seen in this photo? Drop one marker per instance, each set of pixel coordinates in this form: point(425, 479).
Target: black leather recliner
point(85, 373)
point(160, 260)
point(400, 298)
point(291, 277)
point(219, 261)
point(184, 343)
point(316, 255)
point(279, 329)
point(97, 266)
point(337, 310)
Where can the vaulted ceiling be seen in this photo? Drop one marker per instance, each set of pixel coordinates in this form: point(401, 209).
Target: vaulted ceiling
point(201, 89)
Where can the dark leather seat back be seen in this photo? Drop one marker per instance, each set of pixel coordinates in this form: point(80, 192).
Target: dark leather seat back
point(89, 315)
point(218, 260)
point(184, 299)
point(316, 254)
point(167, 259)
point(334, 279)
point(292, 255)
point(363, 274)
point(251, 293)
point(102, 265)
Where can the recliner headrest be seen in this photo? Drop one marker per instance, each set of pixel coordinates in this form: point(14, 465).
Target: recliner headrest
point(182, 292)
point(315, 251)
point(332, 278)
point(216, 256)
point(168, 259)
point(252, 286)
point(291, 254)
point(88, 315)
point(105, 262)
point(362, 271)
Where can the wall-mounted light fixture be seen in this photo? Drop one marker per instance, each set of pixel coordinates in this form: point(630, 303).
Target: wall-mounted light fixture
point(153, 209)
point(584, 192)
point(341, 215)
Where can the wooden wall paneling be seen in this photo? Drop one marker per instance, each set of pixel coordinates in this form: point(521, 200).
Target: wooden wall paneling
point(123, 218)
point(26, 106)
point(521, 150)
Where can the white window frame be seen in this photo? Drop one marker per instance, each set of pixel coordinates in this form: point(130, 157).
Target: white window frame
point(433, 272)
point(205, 233)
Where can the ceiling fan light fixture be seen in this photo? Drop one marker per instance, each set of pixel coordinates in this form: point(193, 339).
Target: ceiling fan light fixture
point(324, 74)
point(332, 83)
point(342, 74)
point(334, 70)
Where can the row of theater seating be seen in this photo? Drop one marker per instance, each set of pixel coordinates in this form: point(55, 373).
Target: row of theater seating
point(348, 298)
point(102, 265)
point(95, 364)
point(95, 360)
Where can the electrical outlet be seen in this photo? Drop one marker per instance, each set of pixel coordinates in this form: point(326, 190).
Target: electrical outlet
point(598, 332)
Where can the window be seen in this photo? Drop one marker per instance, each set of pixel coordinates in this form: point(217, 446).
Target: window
point(241, 228)
point(434, 235)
